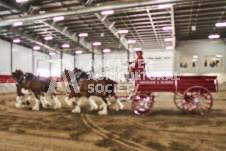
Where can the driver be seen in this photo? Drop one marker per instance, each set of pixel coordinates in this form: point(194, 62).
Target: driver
point(139, 64)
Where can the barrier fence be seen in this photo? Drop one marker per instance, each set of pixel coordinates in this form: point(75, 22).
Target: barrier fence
point(8, 79)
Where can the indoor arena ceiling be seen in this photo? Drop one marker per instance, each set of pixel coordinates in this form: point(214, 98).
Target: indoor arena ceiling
point(144, 22)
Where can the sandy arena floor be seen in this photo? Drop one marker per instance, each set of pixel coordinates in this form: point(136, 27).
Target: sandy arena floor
point(166, 128)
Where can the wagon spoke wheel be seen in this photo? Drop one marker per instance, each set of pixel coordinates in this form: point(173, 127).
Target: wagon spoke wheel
point(142, 104)
point(178, 100)
point(198, 101)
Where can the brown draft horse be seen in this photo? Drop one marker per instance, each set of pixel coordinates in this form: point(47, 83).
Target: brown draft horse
point(38, 87)
point(88, 87)
point(20, 91)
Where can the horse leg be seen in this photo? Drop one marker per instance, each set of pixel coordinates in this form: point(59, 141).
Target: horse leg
point(119, 105)
point(42, 100)
point(28, 99)
point(46, 102)
point(19, 101)
point(93, 105)
point(37, 98)
point(69, 100)
point(77, 107)
point(101, 106)
point(109, 100)
point(105, 106)
point(57, 102)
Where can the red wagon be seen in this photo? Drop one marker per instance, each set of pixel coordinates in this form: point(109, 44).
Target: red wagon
point(192, 94)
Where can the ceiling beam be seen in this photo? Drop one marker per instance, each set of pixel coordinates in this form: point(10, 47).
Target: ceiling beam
point(31, 38)
point(173, 25)
point(95, 9)
point(114, 31)
point(73, 37)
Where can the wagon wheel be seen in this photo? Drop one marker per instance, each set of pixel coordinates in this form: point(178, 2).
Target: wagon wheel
point(178, 100)
point(142, 104)
point(198, 101)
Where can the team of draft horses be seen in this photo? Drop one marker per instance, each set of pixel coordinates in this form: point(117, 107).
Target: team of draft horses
point(78, 87)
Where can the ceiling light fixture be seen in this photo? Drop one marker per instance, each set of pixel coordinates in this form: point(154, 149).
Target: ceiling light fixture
point(36, 48)
point(106, 50)
point(214, 36)
point(96, 43)
point(107, 12)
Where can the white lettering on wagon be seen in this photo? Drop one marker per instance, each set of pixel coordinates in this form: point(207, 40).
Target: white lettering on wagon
point(156, 82)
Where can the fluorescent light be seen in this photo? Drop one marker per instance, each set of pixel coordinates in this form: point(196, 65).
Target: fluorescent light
point(36, 48)
point(65, 46)
point(83, 35)
point(21, 1)
point(195, 57)
point(220, 24)
point(137, 49)
point(193, 28)
point(48, 38)
point(52, 53)
point(18, 24)
point(131, 41)
point(168, 39)
point(16, 41)
point(59, 18)
point(107, 12)
point(124, 31)
point(169, 47)
point(78, 52)
point(96, 43)
point(219, 56)
point(107, 50)
point(167, 28)
point(214, 36)
point(165, 6)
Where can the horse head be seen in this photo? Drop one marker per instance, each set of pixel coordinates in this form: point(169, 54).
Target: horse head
point(25, 77)
point(17, 74)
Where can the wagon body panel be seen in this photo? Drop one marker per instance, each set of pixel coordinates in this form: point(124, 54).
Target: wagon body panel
point(177, 85)
point(185, 82)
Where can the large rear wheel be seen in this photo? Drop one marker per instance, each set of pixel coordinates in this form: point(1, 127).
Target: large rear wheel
point(198, 101)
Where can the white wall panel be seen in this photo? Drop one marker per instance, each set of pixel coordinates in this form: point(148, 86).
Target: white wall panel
point(22, 58)
point(41, 60)
point(201, 48)
point(55, 65)
point(5, 58)
point(83, 61)
point(159, 62)
point(68, 62)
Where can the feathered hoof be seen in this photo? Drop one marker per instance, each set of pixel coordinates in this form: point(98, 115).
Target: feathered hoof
point(76, 110)
point(57, 107)
point(35, 109)
point(93, 109)
point(18, 106)
point(102, 113)
point(121, 107)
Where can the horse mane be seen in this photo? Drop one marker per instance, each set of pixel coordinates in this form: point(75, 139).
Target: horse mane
point(83, 74)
